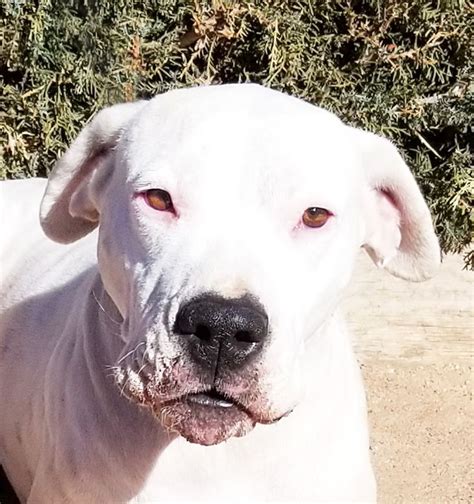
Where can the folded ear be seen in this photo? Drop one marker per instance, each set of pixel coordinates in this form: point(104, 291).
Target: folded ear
point(69, 208)
point(399, 231)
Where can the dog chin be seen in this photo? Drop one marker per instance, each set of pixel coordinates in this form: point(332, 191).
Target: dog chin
point(204, 424)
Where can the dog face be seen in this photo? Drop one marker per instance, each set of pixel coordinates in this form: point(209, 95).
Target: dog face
point(208, 217)
point(230, 218)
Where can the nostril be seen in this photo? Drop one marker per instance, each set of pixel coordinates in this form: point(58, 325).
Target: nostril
point(244, 336)
point(203, 332)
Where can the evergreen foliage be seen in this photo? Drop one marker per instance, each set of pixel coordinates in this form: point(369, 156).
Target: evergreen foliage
point(399, 68)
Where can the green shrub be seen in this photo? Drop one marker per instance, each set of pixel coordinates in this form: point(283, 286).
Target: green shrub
point(399, 68)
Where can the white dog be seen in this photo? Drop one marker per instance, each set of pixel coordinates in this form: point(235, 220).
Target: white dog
point(205, 307)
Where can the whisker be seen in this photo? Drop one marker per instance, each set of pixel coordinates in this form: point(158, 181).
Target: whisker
point(142, 368)
point(104, 310)
point(131, 352)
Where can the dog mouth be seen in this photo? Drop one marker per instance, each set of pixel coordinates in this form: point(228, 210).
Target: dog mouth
point(212, 398)
point(207, 418)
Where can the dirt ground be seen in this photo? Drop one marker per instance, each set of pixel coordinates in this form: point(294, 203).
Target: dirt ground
point(415, 342)
point(422, 430)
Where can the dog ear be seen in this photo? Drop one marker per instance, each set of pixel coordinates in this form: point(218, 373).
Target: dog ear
point(399, 234)
point(69, 207)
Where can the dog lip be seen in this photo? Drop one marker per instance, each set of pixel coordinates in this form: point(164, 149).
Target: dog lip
point(211, 398)
point(276, 419)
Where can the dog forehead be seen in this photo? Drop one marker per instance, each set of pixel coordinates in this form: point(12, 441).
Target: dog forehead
point(234, 102)
point(237, 133)
point(224, 116)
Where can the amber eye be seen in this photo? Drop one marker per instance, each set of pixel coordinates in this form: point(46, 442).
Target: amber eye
point(159, 199)
point(316, 217)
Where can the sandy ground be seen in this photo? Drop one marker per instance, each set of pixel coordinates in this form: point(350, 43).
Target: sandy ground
point(422, 430)
point(415, 342)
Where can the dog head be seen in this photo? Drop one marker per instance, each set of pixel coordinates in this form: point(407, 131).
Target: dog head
point(229, 221)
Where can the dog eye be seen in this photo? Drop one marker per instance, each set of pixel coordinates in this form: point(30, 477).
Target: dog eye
point(159, 199)
point(316, 217)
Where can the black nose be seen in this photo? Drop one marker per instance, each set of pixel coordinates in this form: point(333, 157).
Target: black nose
point(222, 332)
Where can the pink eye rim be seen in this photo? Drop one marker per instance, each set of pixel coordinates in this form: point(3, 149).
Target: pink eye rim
point(316, 217)
point(159, 199)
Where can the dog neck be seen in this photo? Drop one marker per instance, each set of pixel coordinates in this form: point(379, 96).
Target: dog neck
point(125, 437)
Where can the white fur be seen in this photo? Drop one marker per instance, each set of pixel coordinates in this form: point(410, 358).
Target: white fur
point(241, 163)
